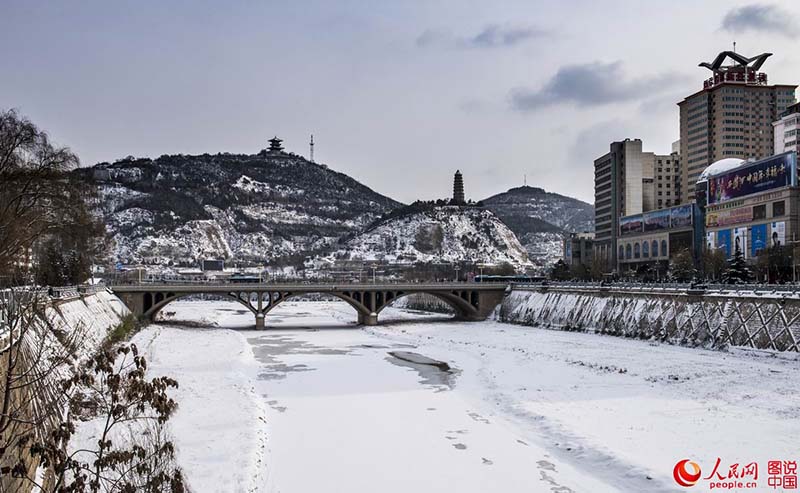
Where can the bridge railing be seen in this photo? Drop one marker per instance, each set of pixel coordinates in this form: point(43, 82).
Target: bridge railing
point(672, 287)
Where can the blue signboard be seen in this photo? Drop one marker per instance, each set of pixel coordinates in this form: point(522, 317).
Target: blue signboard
point(767, 174)
point(724, 241)
point(758, 239)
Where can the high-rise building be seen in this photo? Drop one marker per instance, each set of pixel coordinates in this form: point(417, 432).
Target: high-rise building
point(731, 117)
point(785, 130)
point(630, 181)
point(458, 189)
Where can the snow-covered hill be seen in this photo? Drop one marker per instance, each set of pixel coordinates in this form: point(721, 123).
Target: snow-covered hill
point(540, 219)
point(269, 207)
point(437, 234)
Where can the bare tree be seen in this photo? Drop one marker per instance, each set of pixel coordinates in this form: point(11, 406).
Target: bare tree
point(32, 172)
point(132, 452)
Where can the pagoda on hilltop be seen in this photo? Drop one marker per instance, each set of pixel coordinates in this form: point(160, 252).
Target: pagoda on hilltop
point(458, 189)
point(275, 144)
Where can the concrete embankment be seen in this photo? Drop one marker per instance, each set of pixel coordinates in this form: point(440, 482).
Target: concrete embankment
point(713, 319)
point(76, 324)
point(93, 314)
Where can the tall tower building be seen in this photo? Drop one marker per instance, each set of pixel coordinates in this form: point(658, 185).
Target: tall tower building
point(617, 192)
point(628, 180)
point(731, 117)
point(458, 189)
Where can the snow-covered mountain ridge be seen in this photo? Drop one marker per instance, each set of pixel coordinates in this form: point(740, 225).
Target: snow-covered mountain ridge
point(271, 206)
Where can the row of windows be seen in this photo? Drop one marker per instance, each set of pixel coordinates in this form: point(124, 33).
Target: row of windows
point(789, 133)
point(700, 145)
point(642, 250)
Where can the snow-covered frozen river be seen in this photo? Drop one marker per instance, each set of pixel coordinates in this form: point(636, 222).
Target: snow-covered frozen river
point(316, 404)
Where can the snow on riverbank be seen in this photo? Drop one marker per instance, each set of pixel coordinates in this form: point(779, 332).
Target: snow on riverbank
point(522, 409)
point(219, 427)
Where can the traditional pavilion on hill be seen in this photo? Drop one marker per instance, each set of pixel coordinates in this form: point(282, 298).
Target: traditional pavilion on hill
point(275, 144)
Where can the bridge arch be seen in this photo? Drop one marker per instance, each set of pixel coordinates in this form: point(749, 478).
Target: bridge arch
point(463, 308)
point(155, 302)
point(357, 305)
point(151, 311)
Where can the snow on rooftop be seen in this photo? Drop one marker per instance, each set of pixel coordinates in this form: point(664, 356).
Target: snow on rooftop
point(720, 167)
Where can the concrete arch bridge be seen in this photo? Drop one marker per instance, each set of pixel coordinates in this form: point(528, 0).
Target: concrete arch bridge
point(470, 301)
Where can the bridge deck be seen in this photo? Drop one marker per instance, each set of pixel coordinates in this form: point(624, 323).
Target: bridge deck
point(299, 287)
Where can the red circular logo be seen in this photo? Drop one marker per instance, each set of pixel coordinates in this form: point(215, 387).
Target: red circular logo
point(686, 473)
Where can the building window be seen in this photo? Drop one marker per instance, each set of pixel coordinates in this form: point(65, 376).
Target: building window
point(760, 212)
point(664, 247)
point(655, 248)
point(778, 208)
point(621, 252)
point(645, 249)
point(628, 251)
point(636, 252)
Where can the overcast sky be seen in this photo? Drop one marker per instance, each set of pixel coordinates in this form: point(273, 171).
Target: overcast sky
point(397, 94)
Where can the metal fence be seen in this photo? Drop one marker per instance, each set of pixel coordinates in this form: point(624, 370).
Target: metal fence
point(674, 287)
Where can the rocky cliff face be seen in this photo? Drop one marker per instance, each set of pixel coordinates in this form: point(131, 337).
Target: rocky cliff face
point(269, 207)
point(437, 234)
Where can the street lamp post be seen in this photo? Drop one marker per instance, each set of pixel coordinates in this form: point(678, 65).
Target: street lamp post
point(374, 269)
point(456, 268)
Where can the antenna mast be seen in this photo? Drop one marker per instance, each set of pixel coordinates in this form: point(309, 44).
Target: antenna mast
point(311, 146)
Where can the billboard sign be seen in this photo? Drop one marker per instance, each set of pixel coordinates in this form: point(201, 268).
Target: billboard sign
point(778, 234)
point(631, 224)
point(740, 241)
point(656, 220)
point(758, 239)
point(729, 217)
point(681, 216)
point(724, 241)
point(767, 174)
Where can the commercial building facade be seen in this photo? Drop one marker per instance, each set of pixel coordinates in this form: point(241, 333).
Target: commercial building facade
point(785, 130)
point(753, 206)
point(652, 238)
point(731, 116)
point(578, 249)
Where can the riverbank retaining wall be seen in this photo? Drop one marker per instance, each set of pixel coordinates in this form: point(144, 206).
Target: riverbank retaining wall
point(88, 317)
point(715, 319)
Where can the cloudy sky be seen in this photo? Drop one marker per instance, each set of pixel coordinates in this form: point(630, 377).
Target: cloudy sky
point(397, 94)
